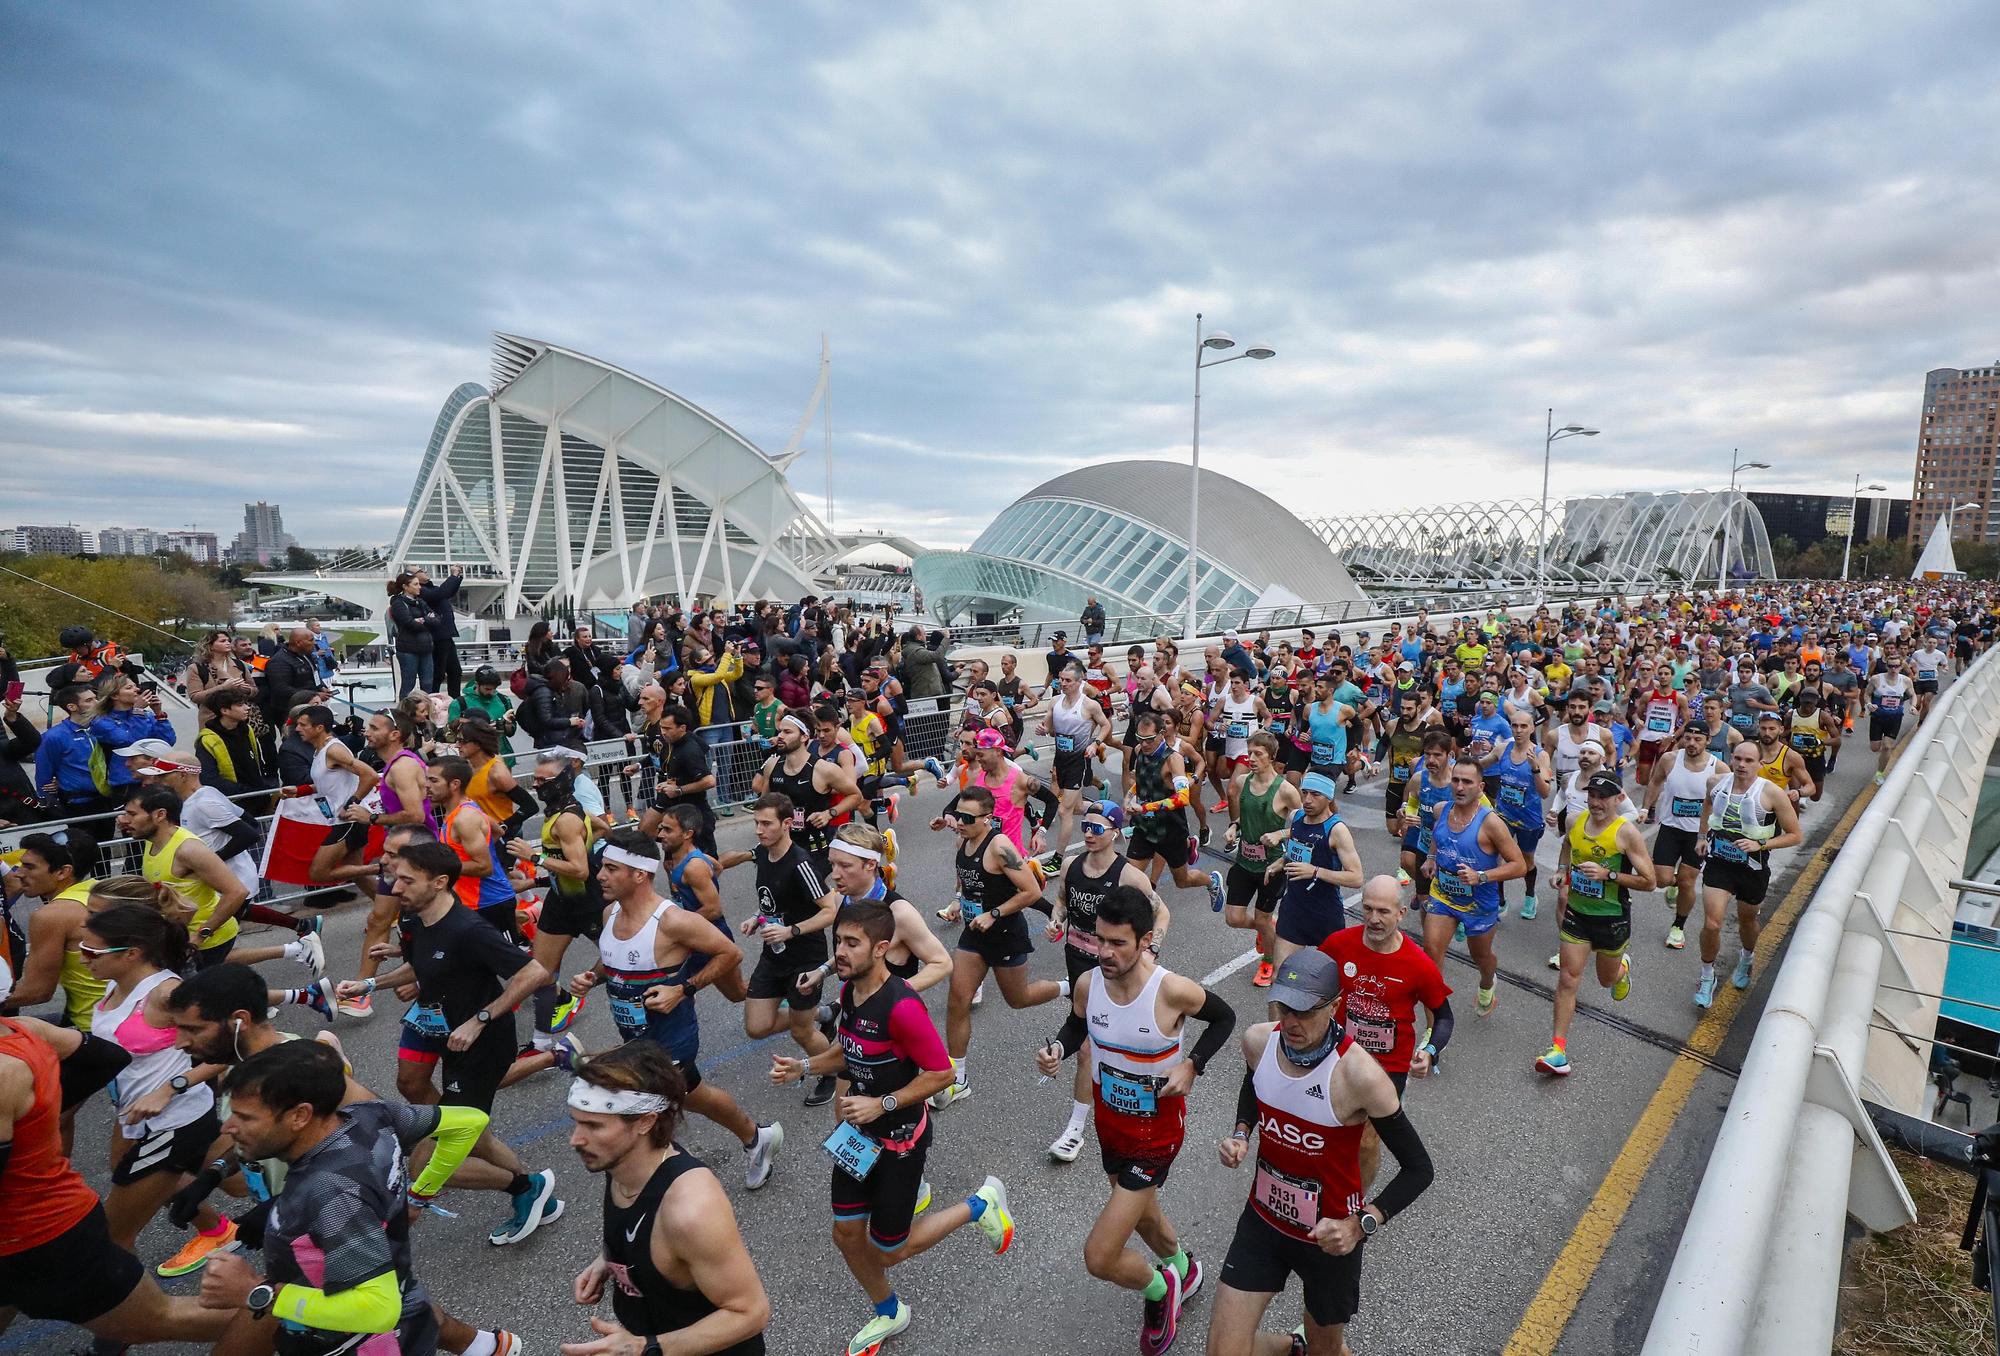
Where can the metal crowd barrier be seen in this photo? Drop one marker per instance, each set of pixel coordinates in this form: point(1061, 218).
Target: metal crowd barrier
point(1851, 1020)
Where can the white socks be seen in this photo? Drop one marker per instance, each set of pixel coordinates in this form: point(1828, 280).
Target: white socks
point(295, 951)
point(1079, 1112)
point(1062, 986)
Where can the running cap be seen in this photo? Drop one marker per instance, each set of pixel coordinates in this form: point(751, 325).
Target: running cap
point(1308, 979)
point(990, 738)
point(1110, 812)
point(1231, 635)
point(1317, 781)
point(486, 674)
point(558, 753)
point(146, 748)
point(167, 767)
point(1604, 784)
point(1406, 667)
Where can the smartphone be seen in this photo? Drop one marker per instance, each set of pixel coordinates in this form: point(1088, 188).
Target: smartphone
point(14, 691)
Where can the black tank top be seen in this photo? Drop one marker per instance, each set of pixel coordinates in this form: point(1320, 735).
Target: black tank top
point(1086, 892)
point(645, 1301)
point(798, 787)
point(988, 888)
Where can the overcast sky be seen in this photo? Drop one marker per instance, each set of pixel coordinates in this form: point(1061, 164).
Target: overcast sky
point(248, 250)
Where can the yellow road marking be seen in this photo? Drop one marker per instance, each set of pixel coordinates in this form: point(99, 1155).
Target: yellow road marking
point(1549, 1313)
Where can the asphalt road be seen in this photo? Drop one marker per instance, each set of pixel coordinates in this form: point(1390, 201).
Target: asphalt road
point(1518, 1155)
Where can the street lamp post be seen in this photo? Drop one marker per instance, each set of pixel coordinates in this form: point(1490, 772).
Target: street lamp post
point(1729, 516)
point(1853, 507)
point(1553, 434)
point(1221, 342)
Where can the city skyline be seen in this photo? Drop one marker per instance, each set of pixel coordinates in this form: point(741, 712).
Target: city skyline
point(1443, 224)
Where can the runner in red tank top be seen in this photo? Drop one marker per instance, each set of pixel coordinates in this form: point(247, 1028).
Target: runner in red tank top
point(57, 1260)
point(1308, 1093)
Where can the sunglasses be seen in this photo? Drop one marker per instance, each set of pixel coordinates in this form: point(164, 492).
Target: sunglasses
point(93, 952)
point(1094, 830)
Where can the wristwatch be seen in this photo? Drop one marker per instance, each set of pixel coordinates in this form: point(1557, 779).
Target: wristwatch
point(889, 1102)
point(482, 1016)
point(652, 1347)
point(1369, 1224)
point(260, 1299)
point(178, 1083)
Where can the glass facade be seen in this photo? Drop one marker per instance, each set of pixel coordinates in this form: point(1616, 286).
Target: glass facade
point(1045, 556)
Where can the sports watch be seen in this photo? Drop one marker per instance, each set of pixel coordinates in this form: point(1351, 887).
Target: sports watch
point(889, 1102)
point(260, 1299)
point(1369, 1224)
point(179, 1083)
point(482, 1016)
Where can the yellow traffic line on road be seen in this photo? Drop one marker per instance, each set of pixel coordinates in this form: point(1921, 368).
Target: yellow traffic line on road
point(1549, 1313)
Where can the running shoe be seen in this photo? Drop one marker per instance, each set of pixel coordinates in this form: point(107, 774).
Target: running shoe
point(936, 769)
point(312, 953)
point(1068, 1145)
point(1031, 753)
point(891, 812)
point(1194, 847)
point(1483, 1005)
point(1052, 863)
point(923, 1197)
point(1704, 992)
point(532, 1209)
point(1220, 807)
point(1162, 1317)
point(505, 1343)
point(1299, 1340)
point(1673, 894)
point(1262, 979)
point(1555, 1060)
point(1881, 777)
point(979, 994)
point(1528, 907)
point(761, 1151)
point(318, 996)
point(1624, 984)
point(1677, 938)
point(1556, 961)
point(827, 1019)
point(1215, 891)
point(1191, 1282)
point(568, 1008)
point(1458, 934)
point(194, 1253)
point(1402, 876)
point(889, 839)
point(952, 1092)
point(568, 1050)
point(879, 1329)
point(1744, 960)
point(994, 1221)
point(1202, 841)
point(821, 1091)
point(363, 1006)
point(1504, 906)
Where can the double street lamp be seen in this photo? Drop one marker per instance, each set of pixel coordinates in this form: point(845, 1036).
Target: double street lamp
point(1554, 435)
point(1853, 507)
point(1729, 514)
point(1220, 342)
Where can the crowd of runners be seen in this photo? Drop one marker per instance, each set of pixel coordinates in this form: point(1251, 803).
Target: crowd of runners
point(1555, 764)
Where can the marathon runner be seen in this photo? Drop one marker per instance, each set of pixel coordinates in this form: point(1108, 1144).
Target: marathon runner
point(863, 870)
point(1810, 735)
point(175, 857)
point(1607, 862)
point(1156, 809)
point(996, 884)
point(337, 1263)
point(654, 957)
point(893, 1063)
point(692, 883)
point(1086, 883)
point(470, 979)
point(1384, 979)
point(1080, 728)
point(1744, 820)
point(795, 913)
point(399, 794)
point(1888, 694)
point(1132, 1012)
point(474, 837)
point(1927, 667)
point(1520, 782)
point(1777, 762)
point(1429, 788)
point(572, 906)
point(1471, 854)
point(1261, 802)
point(689, 1281)
point(1660, 711)
point(1319, 858)
point(1307, 1093)
point(816, 791)
point(1679, 788)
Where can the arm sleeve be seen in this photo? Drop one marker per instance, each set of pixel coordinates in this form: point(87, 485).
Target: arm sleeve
point(1220, 1019)
point(373, 1306)
point(1246, 1098)
point(96, 1062)
point(912, 1031)
point(1070, 1037)
point(1413, 1163)
point(1441, 1024)
point(239, 835)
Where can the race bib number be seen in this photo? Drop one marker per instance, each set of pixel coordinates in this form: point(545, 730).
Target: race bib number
point(1727, 850)
point(1086, 943)
point(1741, 721)
point(1805, 741)
point(1376, 1036)
point(970, 909)
point(1252, 852)
point(852, 1152)
point(1124, 1092)
point(629, 1014)
point(1423, 841)
point(1007, 701)
point(1451, 886)
point(1512, 793)
point(1065, 744)
point(1294, 1200)
point(1325, 754)
point(1927, 675)
point(1686, 807)
point(1660, 723)
point(1239, 730)
point(1892, 704)
point(798, 820)
point(1399, 769)
point(1580, 884)
point(1298, 850)
point(426, 1019)
point(1280, 723)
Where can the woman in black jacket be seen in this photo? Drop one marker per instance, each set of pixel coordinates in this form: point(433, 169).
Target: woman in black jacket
point(410, 617)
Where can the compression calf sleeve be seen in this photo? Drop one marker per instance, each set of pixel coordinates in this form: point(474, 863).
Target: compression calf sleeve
point(458, 1129)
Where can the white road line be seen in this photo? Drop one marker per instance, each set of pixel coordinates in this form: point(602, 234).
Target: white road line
point(1228, 968)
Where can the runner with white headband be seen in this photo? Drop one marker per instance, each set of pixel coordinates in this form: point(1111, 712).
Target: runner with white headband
point(653, 958)
point(673, 1264)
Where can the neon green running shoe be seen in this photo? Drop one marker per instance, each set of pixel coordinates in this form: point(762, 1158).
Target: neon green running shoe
point(868, 1342)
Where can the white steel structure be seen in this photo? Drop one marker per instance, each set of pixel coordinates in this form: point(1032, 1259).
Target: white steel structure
point(575, 483)
point(1615, 541)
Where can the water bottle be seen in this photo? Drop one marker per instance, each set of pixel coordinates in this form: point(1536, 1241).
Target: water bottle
point(765, 920)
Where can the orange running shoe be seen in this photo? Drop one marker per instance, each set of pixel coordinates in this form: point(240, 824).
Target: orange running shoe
point(194, 1254)
point(1262, 979)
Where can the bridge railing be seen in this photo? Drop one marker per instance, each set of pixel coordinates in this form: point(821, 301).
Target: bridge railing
point(1850, 1019)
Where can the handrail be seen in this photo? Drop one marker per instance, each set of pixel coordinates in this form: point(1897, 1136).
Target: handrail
point(1759, 1263)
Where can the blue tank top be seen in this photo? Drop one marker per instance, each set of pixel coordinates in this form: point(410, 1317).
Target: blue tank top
point(1430, 796)
point(1329, 736)
point(1313, 844)
point(1519, 799)
point(684, 894)
point(1457, 848)
point(1449, 692)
